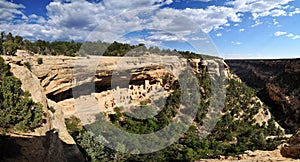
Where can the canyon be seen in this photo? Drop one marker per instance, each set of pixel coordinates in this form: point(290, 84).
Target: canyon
point(86, 86)
point(277, 83)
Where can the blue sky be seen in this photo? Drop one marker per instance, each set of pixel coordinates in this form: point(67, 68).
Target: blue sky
point(227, 28)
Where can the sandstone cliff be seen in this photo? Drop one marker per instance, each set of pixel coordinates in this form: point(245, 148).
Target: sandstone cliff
point(51, 141)
point(69, 81)
point(82, 86)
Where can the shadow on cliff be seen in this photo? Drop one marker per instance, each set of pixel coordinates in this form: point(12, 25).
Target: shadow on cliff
point(277, 85)
point(275, 108)
point(75, 92)
point(104, 84)
point(47, 148)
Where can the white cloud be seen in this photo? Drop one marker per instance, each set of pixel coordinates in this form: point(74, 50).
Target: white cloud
point(242, 30)
point(33, 16)
point(236, 43)
point(273, 13)
point(36, 19)
point(257, 22)
point(289, 35)
point(260, 8)
point(181, 22)
point(219, 34)
point(287, 7)
point(132, 4)
point(296, 37)
point(9, 10)
point(293, 36)
point(296, 11)
point(107, 22)
point(165, 37)
point(279, 33)
point(212, 17)
point(277, 13)
point(275, 22)
point(202, 0)
point(110, 19)
point(33, 31)
point(78, 14)
point(76, 20)
point(198, 38)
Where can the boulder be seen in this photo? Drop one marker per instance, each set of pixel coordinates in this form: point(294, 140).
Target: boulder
point(292, 148)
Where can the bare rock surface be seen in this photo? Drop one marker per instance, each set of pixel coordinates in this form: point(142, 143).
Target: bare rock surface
point(292, 149)
point(58, 122)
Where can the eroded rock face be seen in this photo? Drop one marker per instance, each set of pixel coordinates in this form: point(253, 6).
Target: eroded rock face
point(57, 74)
point(256, 73)
point(44, 144)
point(284, 90)
point(279, 81)
point(46, 148)
point(32, 84)
point(292, 149)
point(69, 80)
point(57, 121)
point(54, 120)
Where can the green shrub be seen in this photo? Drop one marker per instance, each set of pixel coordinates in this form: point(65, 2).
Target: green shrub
point(28, 65)
point(73, 125)
point(17, 109)
point(40, 61)
point(51, 108)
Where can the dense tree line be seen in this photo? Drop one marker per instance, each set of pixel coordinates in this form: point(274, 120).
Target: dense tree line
point(9, 45)
point(17, 109)
point(53, 48)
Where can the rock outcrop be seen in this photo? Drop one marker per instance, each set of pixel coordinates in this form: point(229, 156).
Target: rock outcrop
point(51, 141)
point(57, 121)
point(46, 148)
point(292, 149)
